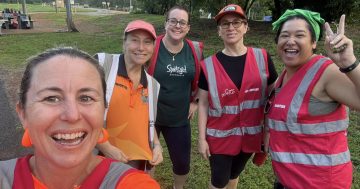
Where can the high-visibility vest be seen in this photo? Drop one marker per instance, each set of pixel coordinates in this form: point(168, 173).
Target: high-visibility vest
point(235, 117)
point(197, 51)
point(308, 151)
point(110, 63)
point(16, 174)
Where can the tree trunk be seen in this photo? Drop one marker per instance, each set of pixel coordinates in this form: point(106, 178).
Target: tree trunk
point(24, 7)
point(69, 21)
point(56, 6)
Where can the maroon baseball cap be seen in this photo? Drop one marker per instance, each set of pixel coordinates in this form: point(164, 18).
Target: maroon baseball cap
point(230, 9)
point(140, 25)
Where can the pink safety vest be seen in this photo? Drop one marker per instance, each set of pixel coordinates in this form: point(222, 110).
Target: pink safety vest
point(197, 51)
point(308, 151)
point(16, 174)
point(235, 117)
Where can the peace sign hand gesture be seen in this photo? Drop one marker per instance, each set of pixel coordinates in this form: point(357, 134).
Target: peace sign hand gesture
point(338, 47)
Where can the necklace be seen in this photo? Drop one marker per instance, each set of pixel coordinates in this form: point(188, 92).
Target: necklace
point(171, 52)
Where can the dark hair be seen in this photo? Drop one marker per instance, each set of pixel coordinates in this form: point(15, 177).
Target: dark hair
point(313, 36)
point(32, 62)
point(177, 7)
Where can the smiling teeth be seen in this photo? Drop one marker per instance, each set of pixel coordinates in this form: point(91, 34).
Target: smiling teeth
point(68, 136)
point(291, 50)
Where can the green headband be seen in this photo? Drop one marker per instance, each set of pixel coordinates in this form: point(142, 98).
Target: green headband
point(312, 17)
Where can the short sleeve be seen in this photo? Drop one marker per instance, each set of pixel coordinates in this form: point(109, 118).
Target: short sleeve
point(137, 180)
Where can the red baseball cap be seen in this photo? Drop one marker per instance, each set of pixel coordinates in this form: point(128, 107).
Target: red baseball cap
point(230, 9)
point(140, 25)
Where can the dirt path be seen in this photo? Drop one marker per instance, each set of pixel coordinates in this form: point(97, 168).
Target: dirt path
point(11, 130)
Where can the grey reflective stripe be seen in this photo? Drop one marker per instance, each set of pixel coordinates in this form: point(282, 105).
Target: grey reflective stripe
point(116, 171)
point(310, 129)
point(197, 50)
point(7, 169)
point(249, 104)
point(212, 83)
point(235, 131)
point(301, 90)
point(311, 159)
point(262, 72)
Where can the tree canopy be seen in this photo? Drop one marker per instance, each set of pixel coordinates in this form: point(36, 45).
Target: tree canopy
point(329, 9)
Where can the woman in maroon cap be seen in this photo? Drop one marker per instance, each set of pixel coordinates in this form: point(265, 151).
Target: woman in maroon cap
point(233, 87)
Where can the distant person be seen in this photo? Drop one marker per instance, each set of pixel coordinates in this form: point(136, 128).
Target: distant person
point(62, 113)
point(233, 88)
point(132, 98)
point(307, 115)
point(176, 65)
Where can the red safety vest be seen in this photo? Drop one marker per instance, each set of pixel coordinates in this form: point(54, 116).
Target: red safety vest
point(197, 51)
point(308, 151)
point(107, 174)
point(235, 118)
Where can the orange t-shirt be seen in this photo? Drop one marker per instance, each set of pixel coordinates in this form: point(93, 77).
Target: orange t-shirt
point(128, 119)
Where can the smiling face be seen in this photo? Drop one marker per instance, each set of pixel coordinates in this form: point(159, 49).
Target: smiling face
point(138, 47)
point(295, 44)
point(228, 33)
point(177, 32)
point(64, 110)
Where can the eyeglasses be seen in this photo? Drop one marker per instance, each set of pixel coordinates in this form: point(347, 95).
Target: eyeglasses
point(235, 24)
point(173, 22)
point(269, 101)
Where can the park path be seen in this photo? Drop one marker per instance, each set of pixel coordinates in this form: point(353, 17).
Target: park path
point(10, 129)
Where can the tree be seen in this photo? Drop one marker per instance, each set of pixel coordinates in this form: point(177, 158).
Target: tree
point(330, 10)
point(69, 21)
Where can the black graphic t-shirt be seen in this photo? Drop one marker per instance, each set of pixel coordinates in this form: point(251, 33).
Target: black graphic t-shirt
point(175, 74)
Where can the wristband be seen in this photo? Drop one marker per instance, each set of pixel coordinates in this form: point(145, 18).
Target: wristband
point(349, 68)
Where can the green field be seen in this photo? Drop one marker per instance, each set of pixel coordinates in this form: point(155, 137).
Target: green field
point(14, 49)
point(31, 8)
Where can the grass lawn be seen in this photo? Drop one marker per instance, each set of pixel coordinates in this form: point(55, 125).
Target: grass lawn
point(14, 49)
point(38, 8)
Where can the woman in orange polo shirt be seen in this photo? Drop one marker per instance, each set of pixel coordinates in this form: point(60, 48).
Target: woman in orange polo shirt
point(132, 95)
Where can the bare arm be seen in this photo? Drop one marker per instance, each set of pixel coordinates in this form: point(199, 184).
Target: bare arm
point(202, 121)
point(341, 87)
point(193, 106)
point(157, 151)
point(111, 151)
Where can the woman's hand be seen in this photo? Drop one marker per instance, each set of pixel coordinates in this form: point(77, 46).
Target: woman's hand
point(338, 47)
point(157, 155)
point(193, 108)
point(112, 152)
point(203, 148)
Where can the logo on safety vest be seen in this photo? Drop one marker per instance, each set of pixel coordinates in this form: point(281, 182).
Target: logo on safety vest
point(228, 92)
point(252, 90)
point(282, 106)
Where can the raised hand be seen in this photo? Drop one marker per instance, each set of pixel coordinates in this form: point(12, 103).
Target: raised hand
point(338, 47)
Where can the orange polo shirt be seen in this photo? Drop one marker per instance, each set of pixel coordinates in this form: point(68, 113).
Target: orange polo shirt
point(128, 118)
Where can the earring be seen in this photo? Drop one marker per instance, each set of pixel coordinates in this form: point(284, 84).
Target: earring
point(105, 136)
point(26, 141)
